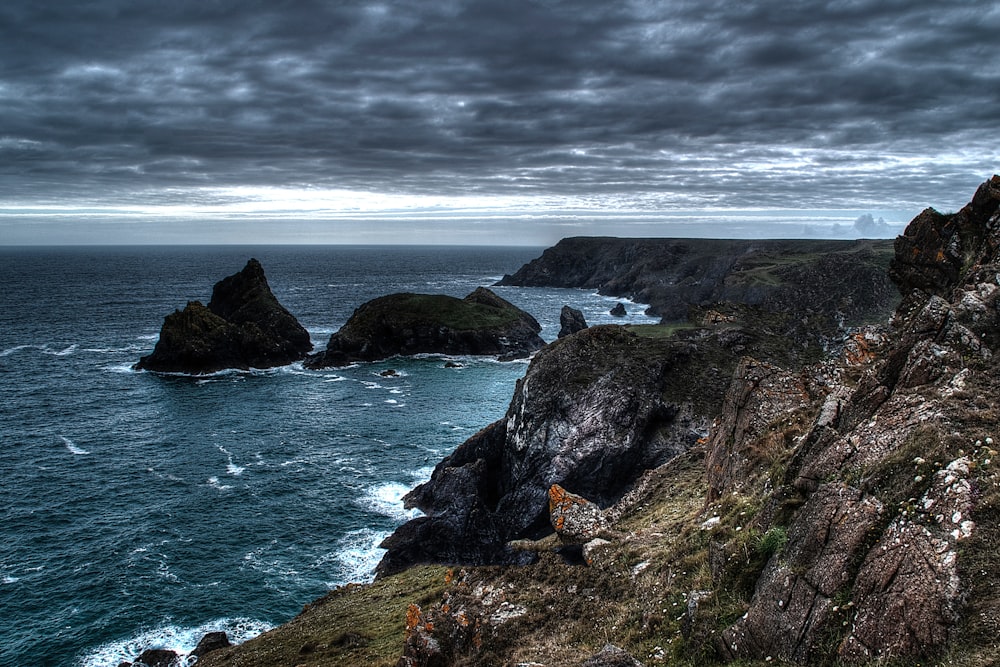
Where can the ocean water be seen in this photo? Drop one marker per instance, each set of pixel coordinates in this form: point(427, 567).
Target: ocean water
point(143, 510)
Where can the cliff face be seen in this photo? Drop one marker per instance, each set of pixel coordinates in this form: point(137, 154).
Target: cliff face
point(838, 279)
point(894, 481)
point(244, 326)
point(405, 324)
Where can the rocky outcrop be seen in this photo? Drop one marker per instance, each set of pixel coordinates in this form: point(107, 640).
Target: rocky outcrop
point(887, 473)
point(242, 327)
point(592, 413)
point(618, 310)
point(571, 320)
point(406, 324)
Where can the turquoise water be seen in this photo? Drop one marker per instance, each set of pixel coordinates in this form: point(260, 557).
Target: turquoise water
point(145, 510)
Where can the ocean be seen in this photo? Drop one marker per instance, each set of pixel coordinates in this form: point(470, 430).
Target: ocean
point(144, 510)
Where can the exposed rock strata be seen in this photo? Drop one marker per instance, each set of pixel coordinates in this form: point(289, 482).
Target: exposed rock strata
point(244, 326)
point(593, 411)
point(881, 526)
point(406, 324)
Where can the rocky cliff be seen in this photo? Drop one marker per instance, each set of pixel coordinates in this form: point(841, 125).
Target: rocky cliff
point(845, 512)
point(244, 326)
point(405, 324)
point(845, 279)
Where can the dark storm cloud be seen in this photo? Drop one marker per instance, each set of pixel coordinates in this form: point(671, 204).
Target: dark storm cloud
point(768, 103)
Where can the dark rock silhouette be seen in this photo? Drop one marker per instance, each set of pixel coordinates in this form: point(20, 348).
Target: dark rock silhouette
point(242, 327)
point(571, 320)
point(405, 324)
point(619, 310)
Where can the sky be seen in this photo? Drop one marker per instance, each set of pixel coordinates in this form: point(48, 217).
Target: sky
point(509, 122)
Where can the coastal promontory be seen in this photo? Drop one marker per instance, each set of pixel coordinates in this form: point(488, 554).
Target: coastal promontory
point(406, 324)
point(243, 326)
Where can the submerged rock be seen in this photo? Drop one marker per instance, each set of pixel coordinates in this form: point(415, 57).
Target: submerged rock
point(571, 320)
point(406, 324)
point(244, 326)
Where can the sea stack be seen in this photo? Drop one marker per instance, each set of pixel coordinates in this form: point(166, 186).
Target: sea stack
point(244, 326)
point(406, 324)
point(571, 320)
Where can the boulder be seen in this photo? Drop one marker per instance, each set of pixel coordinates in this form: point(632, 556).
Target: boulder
point(619, 310)
point(571, 320)
point(406, 324)
point(157, 657)
point(244, 326)
point(575, 519)
point(213, 641)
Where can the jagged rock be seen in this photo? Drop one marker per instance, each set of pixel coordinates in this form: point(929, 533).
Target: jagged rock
point(575, 519)
point(242, 327)
point(213, 641)
point(619, 310)
point(571, 320)
point(759, 394)
point(590, 414)
point(887, 541)
point(793, 600)
point(611, 656)
point(406, 324)
point(156, 657)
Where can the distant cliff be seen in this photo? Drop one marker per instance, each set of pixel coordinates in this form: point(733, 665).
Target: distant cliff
point(847, 279)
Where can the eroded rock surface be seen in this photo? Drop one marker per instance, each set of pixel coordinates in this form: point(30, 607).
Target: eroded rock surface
point(592, 413)
point(884, 472)
point(244, 326)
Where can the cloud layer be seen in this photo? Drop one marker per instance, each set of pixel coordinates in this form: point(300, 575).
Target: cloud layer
point(643, 104)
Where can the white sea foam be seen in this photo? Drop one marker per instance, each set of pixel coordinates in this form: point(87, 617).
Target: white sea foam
point(387, 499)
point(214, 483)
point(231, 467)
point(8, 580)
point(65, 352)
point(128, 367)
point(72, 446)
point(17, 348)
point(358, 554)
point(177, 638)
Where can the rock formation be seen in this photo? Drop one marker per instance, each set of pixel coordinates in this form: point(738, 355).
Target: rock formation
point(242, 327)
point(571, 320)
point(618, 310)
point(890, 474)
point(592, 413)
point(405, 324)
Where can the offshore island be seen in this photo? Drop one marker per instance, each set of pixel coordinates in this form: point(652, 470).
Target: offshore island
point(798, 466)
